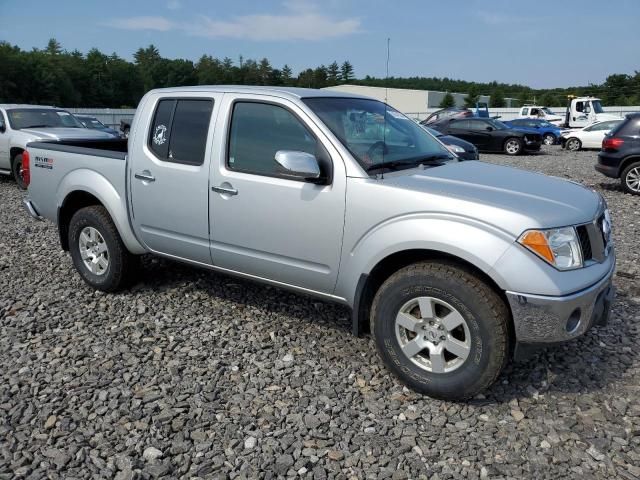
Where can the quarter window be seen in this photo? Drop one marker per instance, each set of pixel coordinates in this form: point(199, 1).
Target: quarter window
point(258, 131)
point(179, 130)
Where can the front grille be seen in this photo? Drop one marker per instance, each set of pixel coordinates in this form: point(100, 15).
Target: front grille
point(585, 242)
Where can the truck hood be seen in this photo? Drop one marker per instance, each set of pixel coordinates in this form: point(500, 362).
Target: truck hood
point(65, 133)
point(507, 198)
point(603, 117)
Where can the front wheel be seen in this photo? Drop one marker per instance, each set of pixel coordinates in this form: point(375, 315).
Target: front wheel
point(97, 251)
point(573, 144)
point(513, 146)
point(16, 169)
point(631, 179)
point(441, 330)
point(549, 139)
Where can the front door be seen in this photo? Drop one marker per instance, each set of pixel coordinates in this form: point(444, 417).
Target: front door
point(169, 176)
point(4, 144)
point(265, 224)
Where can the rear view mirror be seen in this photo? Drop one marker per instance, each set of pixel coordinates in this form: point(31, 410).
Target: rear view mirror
point(297, 164)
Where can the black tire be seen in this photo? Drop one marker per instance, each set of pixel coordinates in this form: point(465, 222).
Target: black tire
point(513, 146)
point(629, 179)
point(16, 169)
point(573, 144)
point(549, 139)
point(121, 264)
point(485, 314)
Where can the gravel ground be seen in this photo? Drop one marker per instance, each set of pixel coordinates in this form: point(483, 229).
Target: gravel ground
point(195, 374)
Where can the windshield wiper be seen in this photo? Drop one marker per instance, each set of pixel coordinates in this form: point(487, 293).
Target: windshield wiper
point(37, 126)
point(409, 162)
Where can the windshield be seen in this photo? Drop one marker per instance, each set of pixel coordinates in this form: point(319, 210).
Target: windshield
point(597, 106)
point(375, 133)
point(92, 123)
point(41, 118)
point(547, 111)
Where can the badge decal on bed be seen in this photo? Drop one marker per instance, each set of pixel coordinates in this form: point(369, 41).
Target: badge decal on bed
point(159, 137)
point(44, 162)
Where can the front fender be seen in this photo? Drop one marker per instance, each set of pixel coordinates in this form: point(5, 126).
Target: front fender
point(470, 240)
point(100, 187)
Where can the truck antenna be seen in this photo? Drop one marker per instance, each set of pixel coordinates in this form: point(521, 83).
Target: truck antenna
point(386, 99)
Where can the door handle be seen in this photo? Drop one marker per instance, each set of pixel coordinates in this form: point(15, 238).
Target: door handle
point(225, 190)
point(145, 175)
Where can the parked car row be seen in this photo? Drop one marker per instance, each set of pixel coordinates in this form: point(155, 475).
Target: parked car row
point(21, 124)
point(490, 135)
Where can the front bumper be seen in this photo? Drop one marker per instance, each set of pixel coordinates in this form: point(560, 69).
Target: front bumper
point(30, 208)
point(542, 319)
point(533, 145)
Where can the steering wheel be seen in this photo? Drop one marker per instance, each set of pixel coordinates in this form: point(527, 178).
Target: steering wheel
point(373, 153)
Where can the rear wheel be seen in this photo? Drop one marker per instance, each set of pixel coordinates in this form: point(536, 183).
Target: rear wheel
point(513, 146)
point(631, 179)
point(549, 139)
point(441, 330)
point(573, 144)
point(16, 169)
point(97, 250)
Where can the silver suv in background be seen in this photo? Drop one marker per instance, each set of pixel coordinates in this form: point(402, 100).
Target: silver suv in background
point(451, 265)
point(21, 124)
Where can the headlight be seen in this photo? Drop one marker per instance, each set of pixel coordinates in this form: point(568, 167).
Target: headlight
point(560, 247)
point(455, 148)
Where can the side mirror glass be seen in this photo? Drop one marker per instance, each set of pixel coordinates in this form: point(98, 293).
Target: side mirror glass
point(298, 164)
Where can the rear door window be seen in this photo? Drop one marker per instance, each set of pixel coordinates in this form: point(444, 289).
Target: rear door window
point(179, 130)
point(460, 125)
point(160, 128)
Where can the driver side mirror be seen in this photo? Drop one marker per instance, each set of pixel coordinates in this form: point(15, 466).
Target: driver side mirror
point(301, 165)
point(489, 129)
point(3, 127)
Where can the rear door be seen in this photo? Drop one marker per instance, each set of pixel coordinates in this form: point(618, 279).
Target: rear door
point(460, 129)
point(265, 224)
point(168, 175)
point(481, 136)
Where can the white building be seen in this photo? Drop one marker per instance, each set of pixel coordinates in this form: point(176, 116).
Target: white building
point(405, 100)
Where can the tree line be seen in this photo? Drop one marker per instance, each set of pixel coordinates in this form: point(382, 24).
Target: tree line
point(58, 77)
point(70, 78)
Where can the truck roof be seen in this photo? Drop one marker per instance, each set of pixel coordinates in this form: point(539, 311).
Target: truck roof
point(18, 105)
point(291, 92)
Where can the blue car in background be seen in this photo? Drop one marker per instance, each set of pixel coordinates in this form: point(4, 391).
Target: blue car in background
point(550, 132)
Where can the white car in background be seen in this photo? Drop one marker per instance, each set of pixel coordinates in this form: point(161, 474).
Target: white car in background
point(587, 137)
point(540, 113)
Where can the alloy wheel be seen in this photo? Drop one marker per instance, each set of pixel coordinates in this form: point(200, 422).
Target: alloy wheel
point(433, 334)
point(633, 179)
point(94, 251)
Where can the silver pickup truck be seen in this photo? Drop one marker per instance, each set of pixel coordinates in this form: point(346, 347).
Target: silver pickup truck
point(454, 267)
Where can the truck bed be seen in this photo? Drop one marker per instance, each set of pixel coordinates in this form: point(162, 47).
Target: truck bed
point(116, 148)
point(97, 167)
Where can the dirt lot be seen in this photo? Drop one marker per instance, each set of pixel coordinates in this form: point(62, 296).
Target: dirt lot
point(195, 374)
